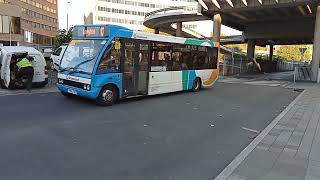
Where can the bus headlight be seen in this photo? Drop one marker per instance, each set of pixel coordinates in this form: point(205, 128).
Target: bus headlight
point(87, 87)
point(60, 81)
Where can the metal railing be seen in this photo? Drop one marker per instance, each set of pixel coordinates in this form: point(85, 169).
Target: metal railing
point(302, 73)
point(289, 65)
point(232, 66)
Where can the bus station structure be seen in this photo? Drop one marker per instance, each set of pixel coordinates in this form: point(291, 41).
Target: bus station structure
point(263, 22)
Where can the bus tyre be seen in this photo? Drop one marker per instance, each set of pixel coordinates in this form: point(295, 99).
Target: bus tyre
point(196, 86)
point(2, 84)
point(107, 97)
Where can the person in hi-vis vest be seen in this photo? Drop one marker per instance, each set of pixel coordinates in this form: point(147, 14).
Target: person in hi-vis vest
point(25, 69)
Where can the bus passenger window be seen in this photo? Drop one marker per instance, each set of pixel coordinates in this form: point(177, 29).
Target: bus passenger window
point(110, 62)
point(213, 58)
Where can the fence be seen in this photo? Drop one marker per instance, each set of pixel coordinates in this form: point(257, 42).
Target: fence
point(289, 65)
point(233, 66)
point(302, 73)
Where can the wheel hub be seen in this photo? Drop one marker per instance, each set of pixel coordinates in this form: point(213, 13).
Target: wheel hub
point(107, 96)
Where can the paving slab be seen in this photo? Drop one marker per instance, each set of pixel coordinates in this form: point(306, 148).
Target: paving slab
point(290, 146)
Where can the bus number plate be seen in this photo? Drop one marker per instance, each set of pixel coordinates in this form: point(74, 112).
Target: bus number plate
point(72, 91)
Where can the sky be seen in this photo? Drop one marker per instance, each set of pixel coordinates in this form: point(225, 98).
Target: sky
point(76, 13)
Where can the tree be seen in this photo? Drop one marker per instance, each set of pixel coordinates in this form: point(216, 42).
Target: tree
point(63, 37)
point(292, 53)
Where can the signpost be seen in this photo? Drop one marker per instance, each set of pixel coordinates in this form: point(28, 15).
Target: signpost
point(302, 51)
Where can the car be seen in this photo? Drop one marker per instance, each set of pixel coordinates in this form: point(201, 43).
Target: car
point(8, 72)
point(47, 52)
point(56, 57)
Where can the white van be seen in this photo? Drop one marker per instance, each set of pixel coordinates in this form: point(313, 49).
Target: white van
point(56, 57)
point(8, 56)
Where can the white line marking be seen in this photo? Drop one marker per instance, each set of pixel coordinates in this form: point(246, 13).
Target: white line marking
point(250, 130)
point(27, 93)
point(241, 157)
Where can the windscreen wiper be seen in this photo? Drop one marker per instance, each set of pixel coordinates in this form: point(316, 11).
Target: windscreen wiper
point(66, 69)
point(84, 62)
point(77, 66)
point(75, 69)
point(78, 71)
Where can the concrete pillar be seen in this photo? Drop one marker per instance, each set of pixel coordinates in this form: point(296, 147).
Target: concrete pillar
point(271, 52)
point(316, 49)
point(179, 29)
point(250, 50)
point(216, 28)
point(217, 35)
point(156, 31)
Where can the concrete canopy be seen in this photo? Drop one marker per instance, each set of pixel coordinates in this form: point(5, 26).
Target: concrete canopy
point(278, 22)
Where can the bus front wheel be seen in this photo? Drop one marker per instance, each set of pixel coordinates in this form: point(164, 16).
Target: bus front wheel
point(108, 96)
point(196, 86)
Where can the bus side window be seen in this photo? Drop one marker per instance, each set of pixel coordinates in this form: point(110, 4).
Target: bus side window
point(110, 61)
point(213, 58)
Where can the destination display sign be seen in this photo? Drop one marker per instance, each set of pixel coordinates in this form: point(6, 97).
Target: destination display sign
point(90, 31)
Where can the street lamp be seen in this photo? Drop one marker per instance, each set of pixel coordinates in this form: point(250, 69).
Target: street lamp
point(68, 15)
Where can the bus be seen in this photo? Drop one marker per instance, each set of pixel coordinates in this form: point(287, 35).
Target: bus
point(106, 63)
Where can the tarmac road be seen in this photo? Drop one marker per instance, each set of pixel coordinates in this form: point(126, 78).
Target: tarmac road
point(180, 136)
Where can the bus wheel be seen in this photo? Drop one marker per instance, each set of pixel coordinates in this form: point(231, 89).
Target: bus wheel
point(196, 86)
point(107, 97)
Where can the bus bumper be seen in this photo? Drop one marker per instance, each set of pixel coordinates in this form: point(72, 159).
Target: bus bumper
point(92, 94)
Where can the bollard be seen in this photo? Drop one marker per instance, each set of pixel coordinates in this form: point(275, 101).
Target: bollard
point(294, 75)
point(240, 65)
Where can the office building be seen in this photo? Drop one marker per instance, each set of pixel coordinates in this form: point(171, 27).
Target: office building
point(28, 22)
point(131, 13)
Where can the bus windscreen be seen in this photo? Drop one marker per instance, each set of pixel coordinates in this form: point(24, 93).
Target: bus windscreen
point(90, 32)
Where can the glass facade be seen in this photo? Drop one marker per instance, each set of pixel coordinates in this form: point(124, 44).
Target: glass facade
point(35, 38)
point(8, 23)
point(37, 23)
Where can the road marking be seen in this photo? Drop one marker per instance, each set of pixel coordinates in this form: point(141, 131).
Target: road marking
point(225, 174)
point(27, 93)
point(250, 130)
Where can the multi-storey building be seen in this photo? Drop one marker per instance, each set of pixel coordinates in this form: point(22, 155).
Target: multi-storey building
point(28, 22)
point(131, 13)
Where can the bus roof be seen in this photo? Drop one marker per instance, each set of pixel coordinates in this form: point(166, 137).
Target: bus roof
point(119, 31)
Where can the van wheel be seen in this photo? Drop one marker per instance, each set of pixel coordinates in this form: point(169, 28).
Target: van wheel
point(51, 64)
point(68, 95)
point(2, 84)
point(108, 96)
point(196, 86)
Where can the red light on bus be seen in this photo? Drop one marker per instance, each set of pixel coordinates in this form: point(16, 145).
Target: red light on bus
point(89, 32)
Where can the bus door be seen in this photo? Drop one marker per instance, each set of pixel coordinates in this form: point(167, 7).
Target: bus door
point(135, 67)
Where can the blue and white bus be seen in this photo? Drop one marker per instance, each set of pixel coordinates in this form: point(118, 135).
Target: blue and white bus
point(106, 63)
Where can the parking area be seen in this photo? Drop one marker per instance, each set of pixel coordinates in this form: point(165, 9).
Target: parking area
point(179, 136)
point(49, 88)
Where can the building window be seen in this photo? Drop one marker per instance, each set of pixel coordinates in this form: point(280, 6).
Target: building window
point(28, 36)
point(6, 24)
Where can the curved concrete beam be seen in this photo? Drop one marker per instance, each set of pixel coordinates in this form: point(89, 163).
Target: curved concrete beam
point(165, 20)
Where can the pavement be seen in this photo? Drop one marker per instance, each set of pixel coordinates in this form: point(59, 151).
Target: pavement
point(177, 136)
point(255, 81)
point(289, 148)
